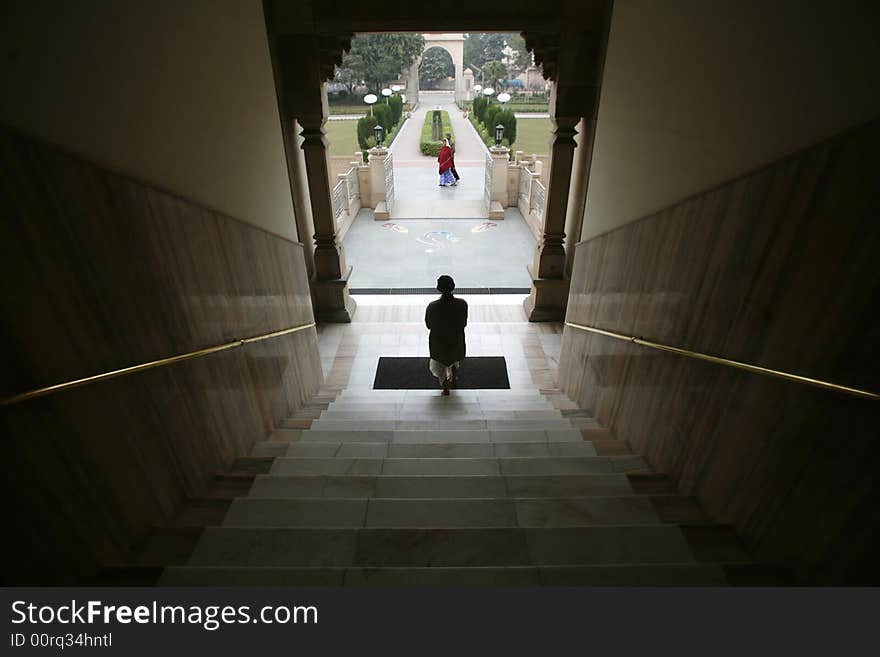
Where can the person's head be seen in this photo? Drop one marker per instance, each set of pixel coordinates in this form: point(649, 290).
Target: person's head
point(445, 284)
point(449, 137)
point(446, 142)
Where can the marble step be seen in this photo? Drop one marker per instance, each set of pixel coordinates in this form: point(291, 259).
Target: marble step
point(447, 486)
point(441, 513)
point(442, 415)
point(424, 425)
point(667, 574)
point(441, 436)
point(436, 450)
point(440, 404)
point(429, 396)
point(535, 465)
point(274, 547)
point(433, 486)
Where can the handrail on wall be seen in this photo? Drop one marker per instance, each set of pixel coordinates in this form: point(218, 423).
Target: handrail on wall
point(69, 385)
point(718, 360)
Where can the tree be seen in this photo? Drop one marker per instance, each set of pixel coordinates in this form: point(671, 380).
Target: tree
point(376, 59)
point(493, 72)
point(436, 66)
point(482, 47)
point(518, 59)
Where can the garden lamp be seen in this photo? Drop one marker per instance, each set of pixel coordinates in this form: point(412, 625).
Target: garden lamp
point(379, 132)
point(499, 134)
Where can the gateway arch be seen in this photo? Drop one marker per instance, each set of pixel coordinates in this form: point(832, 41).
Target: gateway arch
point(451, 42)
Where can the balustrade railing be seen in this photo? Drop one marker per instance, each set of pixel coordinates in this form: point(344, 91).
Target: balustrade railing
point(540, 197)
point(340, 198)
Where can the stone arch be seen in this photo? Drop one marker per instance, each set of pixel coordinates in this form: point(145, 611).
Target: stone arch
point(451, 42)
point(447, 57)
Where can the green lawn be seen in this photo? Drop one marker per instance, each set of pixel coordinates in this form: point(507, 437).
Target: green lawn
point(532, 136)
point(342, 136)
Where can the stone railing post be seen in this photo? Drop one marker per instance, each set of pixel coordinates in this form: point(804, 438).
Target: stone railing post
point(381, 212)
point(500, 157)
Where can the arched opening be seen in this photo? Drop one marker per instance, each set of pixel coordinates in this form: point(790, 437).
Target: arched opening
point(437, 70)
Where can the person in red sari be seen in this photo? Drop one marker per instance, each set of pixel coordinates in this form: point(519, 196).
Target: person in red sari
point(447, 163)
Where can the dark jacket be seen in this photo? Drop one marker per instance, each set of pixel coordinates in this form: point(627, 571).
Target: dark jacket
point(446, 318)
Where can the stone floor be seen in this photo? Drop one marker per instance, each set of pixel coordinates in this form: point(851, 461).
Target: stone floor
point(415, 252)
point(394, 326)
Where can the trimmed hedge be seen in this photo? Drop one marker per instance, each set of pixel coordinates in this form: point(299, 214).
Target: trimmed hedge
point(485, 117)
point(427, 145)
point(387, 115)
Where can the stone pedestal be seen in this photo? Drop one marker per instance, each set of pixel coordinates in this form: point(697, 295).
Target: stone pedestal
point(547, 298)
point(500, 156)
point(331, 299)
point(381, 211)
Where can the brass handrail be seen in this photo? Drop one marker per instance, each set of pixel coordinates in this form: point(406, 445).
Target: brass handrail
point(68, 385)
point(718, 360)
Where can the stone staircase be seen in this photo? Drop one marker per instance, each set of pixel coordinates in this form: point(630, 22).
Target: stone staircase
point(488, 487)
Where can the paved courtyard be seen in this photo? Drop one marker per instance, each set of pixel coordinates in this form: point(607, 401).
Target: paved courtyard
point(414, 252)
point(438, 230)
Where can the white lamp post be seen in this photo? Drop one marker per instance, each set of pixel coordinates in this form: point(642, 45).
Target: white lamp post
point(369, 99)
point(503, 97)
point(387, 93)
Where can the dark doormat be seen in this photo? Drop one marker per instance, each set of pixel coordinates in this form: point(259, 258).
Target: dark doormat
point(412, 373)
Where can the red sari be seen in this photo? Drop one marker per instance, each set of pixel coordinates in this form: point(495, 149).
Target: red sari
point(445, 159)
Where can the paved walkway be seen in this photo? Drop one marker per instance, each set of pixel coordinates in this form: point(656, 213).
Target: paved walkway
point(414, 252)
point(416, 186)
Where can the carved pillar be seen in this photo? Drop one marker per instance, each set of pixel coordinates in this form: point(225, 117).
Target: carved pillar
point(303, 63)
point(577, 195)
point(570, 60)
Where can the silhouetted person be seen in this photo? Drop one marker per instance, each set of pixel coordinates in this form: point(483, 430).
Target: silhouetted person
point(446, 318)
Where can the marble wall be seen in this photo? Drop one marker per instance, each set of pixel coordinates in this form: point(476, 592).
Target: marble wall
point(777, 268)
point(102, 272)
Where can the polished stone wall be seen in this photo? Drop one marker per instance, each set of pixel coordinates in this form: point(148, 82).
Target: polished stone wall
point(777, 268)
point(103, 272)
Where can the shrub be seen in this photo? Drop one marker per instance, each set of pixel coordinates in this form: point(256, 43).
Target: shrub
point(508, 120)
point(489, 115)
point(480, 104)
point(383, 116)
point(365, 127)
point(396, 105)
point(426, 144)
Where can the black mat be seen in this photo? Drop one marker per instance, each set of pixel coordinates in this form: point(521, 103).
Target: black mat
point(412, 373)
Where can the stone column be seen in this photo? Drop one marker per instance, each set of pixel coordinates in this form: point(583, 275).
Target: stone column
point(577, 195)
point(573, 61)
point(300, 185)
point(301, 63)
point(549, 294)
point(330, 283)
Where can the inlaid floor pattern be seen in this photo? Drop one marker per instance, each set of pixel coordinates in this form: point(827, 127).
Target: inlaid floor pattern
point(492, 488)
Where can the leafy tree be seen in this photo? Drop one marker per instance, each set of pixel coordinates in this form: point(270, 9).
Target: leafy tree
point(493, 72)
point(520, 58)
point(482, 47)
point(436, 65)
point(377, 59)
